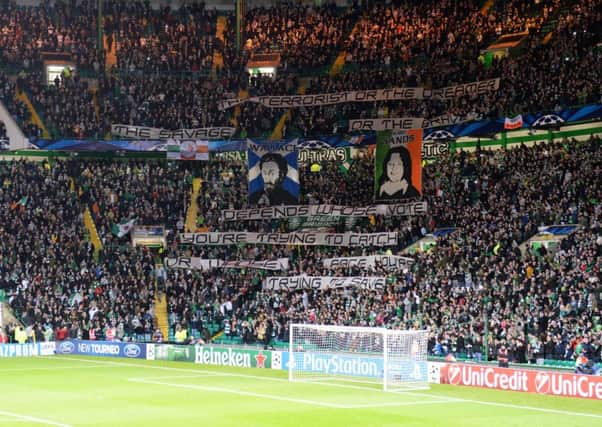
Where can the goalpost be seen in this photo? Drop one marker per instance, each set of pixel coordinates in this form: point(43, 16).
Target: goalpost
point(393, 359)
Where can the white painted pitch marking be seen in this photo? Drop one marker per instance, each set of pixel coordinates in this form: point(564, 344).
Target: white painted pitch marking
point(285, 399)
point(532, 408)
point(58, 368)
point(459, 400)
point(242, 393)
point(165, 377)
point(23, 418)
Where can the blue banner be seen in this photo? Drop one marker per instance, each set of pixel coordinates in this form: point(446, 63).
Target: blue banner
point(27, 350)
point(541, 120)
point(102, 348)
point(357, 366)
point(480, 128)
point(273, 173)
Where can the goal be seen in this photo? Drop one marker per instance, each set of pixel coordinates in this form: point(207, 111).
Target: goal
point(392, 359)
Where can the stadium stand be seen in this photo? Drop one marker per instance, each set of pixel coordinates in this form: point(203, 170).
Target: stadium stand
point(479, 280)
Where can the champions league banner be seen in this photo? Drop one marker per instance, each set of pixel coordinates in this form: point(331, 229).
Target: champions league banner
point(273, 173)
point(442, 128)
point(398, 167)
point(296, 283)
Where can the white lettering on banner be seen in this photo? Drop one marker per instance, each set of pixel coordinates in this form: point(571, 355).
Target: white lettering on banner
point(98, 348)
point(19, 350)
point(322, 155)
point(223, 357)
point(143, 132)
point(541, 382)
point(443, 120)
point(289, 147)
point(303, 239)
point(434, 148)
point(295, 283)
point(404, 123)
point(475, 88)
point(392, 94)
point(193, 263)
point(344, 366)
point(272, 212)
point(389, 262)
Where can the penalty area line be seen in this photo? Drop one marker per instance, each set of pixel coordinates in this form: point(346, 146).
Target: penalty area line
point(282, 398)
point(240, 393)
point(23, 418)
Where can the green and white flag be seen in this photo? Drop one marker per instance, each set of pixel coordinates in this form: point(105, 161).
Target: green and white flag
point(345, 166)
point(122, 229)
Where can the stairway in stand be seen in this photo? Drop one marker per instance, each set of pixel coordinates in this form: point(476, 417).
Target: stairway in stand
point(110, 55)
point(218, 58)
point(35, 117)
point(193, 209)
point(161, 319)
point(92, 231)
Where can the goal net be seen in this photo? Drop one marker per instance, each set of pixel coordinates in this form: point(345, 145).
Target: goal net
point(392, 359)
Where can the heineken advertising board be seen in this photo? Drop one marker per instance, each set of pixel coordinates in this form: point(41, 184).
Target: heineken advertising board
point(239, 358)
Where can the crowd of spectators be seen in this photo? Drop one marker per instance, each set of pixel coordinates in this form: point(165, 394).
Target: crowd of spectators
point(306, 36)
point(153, 193)
point(537, 304)
point(496, 201)
point(430, 44)
point(59, 27)
point(66, 105)
point(526, 83)
point(17, 108)
point(164, 40)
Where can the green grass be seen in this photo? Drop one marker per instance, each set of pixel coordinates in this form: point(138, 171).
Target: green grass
point(80, 391)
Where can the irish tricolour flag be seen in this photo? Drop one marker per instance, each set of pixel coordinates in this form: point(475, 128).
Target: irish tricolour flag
point(122, 229)
point(514, 122)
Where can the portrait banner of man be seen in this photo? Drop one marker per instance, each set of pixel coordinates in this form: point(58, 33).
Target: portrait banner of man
point(273, 173)
point(398, 166)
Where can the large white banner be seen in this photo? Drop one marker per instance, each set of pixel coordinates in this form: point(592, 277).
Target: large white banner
point(373, 95)
point(303, 239)
point(388, 262)
point(444, 120)
point(316, 100)
point(192, 263)
point(403, 123)
point(295, 283)
point(144, 132)
point(272, 212)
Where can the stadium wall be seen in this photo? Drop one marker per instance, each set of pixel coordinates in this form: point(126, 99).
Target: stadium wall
point(27, 350)
point(537, 381)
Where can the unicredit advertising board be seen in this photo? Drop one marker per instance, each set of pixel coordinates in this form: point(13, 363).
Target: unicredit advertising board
point(102, 348)
point(530, 381)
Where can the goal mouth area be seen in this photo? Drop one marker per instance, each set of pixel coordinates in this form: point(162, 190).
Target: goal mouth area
point(392, 360)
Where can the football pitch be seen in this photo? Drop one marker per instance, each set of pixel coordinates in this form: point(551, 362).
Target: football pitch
point(85, 391)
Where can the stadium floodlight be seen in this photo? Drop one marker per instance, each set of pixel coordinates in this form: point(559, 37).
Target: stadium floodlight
point(395, 359)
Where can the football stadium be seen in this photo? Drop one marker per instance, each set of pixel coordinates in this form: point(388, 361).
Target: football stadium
point(301, 212)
